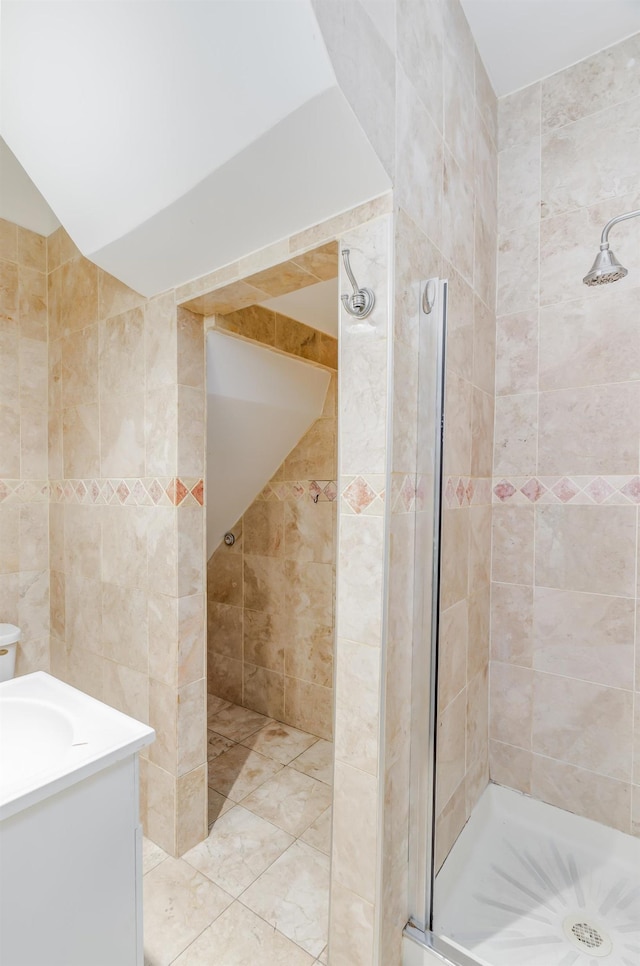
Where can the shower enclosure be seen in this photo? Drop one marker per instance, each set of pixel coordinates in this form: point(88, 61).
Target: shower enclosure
point(535, 871)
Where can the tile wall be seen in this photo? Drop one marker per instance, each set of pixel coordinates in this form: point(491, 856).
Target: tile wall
point(422, 95)
point(24, 494)
point(126, 459)
point(364, 460)
point(271, 596)
point(565, 676)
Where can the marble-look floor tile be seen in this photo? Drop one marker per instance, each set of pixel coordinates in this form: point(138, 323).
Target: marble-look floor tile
point(218, 805)
point(179, 903)
point(290, 800)
point(239, 847)
point(216, 744)
point(293, 895)
point(324, 956)
point(240, 938)
point(319, 834)
point(279, 741)
point(239, 771)
point(152, 855)
point(317, 762)
point(237, 723)
point(214, 706)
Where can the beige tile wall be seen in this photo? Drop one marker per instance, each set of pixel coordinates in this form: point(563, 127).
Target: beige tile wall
point(564, 674)
point(24, 499)
point(361, 634)
point(451, 234)
point(423, 98)
point(271, 596)
point(126, 522)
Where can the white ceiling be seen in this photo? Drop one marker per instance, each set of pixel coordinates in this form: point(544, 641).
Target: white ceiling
point(315, 305)
point(173, 137)
point(522, 41)
point(20, 200)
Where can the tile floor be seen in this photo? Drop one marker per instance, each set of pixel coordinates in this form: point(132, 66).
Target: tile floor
point(256, 892)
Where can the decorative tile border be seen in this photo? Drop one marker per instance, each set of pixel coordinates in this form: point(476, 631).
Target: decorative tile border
point(460, 491)
point(362, 495)
point(153, 491)
point(576, 490)
point(410, 492)
point(320, 491)
point(24, 491)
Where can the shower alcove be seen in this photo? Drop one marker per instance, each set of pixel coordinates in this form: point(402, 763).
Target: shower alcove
point(271, 482)
point(271, 548)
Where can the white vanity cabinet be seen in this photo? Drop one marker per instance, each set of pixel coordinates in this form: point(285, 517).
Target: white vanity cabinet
point(70, 838)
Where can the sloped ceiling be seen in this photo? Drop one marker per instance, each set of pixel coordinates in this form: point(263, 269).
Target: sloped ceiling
point(20, 200)
point(170, 138)
point(522, 41)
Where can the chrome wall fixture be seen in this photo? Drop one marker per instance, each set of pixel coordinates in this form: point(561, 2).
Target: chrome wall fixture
point(361, 303)
point(429, 296)
point(606, 267)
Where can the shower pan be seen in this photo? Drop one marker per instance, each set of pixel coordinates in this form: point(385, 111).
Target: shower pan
point(525, 883)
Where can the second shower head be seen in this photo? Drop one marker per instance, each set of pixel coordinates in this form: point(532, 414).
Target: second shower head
point(606, 268)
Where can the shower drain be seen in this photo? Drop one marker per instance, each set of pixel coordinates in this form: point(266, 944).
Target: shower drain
point(588, 937)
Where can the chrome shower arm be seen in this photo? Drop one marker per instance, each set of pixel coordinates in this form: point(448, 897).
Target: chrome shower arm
point(604, 241)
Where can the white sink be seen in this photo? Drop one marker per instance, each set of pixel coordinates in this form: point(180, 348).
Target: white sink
point(70, 835)
point(32, 734)
point(52, 735)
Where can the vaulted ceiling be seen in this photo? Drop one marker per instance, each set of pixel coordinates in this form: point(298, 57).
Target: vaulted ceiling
point(171, 138)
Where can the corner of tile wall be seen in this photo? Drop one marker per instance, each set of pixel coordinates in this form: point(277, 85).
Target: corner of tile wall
point(566, 486)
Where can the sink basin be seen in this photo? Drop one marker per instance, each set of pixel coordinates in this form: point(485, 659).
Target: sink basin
point(32, 734)
point(70, 835)
point(53, 736)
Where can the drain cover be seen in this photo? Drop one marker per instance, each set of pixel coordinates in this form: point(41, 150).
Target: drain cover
point(587, 936)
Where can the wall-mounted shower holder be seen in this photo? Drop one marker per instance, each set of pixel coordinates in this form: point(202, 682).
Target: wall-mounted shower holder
point(361, 303)
point(429, 295)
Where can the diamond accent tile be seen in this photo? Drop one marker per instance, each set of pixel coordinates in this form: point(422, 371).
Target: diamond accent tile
point(533, 490)
point(449, 492)
point(504, 490)
point(156, 492)
point(632, 489)
point(408, 493)
point(359, 495)
point(331, 491)
point(139, 493)
point(122, 491)
point(599, 490)
point(176, 491)
point(565, 489)
point(198, 492)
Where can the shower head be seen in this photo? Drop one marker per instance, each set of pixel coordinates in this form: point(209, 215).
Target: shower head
point(606, 267)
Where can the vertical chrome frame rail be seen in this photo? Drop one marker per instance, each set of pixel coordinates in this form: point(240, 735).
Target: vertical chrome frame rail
point(424, 697)
point(431, 376)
